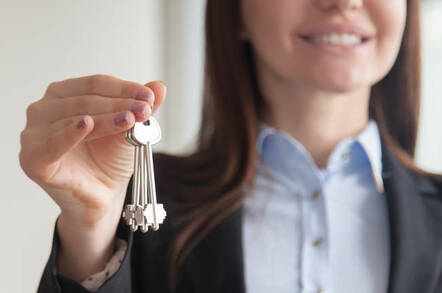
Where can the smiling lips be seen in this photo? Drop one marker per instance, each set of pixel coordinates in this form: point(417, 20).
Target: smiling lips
point(338, 35)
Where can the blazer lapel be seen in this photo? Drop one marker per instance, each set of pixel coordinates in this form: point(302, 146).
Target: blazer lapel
point(415, 238)
point(216, 264)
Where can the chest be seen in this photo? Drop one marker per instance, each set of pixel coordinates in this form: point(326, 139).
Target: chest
point(300, 237)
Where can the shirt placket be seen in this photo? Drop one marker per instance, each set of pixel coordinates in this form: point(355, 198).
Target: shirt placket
point(314, 236)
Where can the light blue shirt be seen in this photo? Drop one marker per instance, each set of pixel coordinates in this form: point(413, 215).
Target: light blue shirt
point(314, 230)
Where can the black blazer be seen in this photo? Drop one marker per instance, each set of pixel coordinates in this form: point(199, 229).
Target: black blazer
point(216, 264)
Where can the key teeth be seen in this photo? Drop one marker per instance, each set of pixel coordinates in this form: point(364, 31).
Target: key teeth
point(160, 213)
point(138, 217)
point(128, 214)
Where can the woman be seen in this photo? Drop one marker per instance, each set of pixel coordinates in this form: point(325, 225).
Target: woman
point(303, 180)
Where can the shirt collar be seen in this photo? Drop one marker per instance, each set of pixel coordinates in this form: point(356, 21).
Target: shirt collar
point(368, 139)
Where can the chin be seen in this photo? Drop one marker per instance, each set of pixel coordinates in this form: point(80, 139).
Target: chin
point(335, 82)
point(338, 88)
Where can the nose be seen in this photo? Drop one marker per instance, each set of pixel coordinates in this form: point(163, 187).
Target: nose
point(341, 5)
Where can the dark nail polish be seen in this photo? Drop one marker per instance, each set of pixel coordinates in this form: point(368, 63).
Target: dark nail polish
point(139, 109)
point(144, 95)
point(121, 119)
point(81, 123)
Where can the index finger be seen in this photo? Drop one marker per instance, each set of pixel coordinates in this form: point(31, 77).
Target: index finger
point(99, 84)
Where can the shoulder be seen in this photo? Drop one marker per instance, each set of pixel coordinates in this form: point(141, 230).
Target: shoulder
point(429, 187)
point(436, 180)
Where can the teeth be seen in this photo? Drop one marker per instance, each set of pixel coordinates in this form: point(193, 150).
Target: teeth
point(338, 39)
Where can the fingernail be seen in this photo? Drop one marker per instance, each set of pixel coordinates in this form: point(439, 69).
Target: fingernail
point(81, 123)
point(139, 109)
point(121, 119)
point(143, 95)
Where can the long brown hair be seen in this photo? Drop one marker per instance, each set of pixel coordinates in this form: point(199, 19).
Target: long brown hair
point(211, 183)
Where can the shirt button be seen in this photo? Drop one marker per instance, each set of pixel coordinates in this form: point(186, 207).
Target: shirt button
point(345, 156)
point(321, 291)
point(315, 194)
point(318, 242)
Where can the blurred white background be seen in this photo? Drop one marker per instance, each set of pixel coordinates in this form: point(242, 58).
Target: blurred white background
point(140, 40)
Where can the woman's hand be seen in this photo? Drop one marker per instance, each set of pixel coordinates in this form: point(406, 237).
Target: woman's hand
point(74, 146)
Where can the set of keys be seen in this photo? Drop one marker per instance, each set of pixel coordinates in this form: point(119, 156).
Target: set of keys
point(144, 211)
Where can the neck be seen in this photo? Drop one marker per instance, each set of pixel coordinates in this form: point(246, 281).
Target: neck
point(317, 119)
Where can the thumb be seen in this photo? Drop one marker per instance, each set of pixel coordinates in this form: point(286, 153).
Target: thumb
point(159, 88)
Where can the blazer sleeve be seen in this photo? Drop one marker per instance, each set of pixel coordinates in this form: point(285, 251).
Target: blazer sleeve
point(55, 282)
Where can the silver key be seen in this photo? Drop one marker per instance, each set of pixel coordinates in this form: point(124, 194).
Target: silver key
point(144, 211)
point(138, 136)
point(150, 135)
point(133, 211)
point(130, 212)
point(136, 209)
